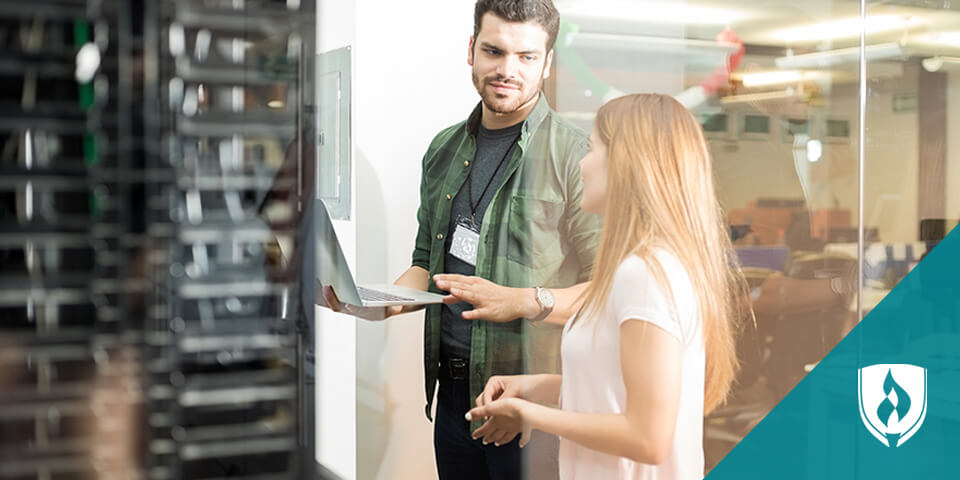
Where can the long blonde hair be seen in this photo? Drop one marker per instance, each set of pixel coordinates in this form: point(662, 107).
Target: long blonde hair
point(660, 195)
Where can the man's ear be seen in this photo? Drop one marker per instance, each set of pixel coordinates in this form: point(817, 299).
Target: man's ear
point(547, 64)
point(470, 52)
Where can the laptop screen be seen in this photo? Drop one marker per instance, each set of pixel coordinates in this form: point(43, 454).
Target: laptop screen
point(332, 267)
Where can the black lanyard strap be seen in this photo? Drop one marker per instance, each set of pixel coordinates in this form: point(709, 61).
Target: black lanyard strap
point(474, 206)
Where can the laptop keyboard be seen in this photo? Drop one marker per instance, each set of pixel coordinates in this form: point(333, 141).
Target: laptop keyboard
point(378, 296)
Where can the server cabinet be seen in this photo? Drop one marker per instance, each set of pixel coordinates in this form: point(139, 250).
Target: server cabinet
point(152, 319)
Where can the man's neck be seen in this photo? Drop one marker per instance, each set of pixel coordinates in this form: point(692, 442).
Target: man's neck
point(495, 121)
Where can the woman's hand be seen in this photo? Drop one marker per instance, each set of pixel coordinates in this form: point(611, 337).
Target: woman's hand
point(542, 388)
point(505, 420)
point(501, 387)
point(491, 302)
point(506, 400)
point(498, 388)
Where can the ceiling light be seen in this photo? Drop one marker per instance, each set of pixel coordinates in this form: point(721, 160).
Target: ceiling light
point(770, 78)
point(840, 56)
point(814, 150)
point(945, 38)
point(932, 64)
point(612, 41)
point(650, 12)
point(843, 28)
point(787, 94)
point(760, 79)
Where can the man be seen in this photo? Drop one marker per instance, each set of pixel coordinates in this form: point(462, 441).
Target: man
point(499, 203)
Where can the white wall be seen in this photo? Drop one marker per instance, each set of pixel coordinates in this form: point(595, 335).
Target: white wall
point(335, 336)
point(411, 80)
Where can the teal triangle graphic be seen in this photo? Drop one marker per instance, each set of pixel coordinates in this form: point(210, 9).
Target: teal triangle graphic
point(816, 431)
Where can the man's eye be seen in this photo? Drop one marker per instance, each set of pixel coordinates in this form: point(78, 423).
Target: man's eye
point(529, 58)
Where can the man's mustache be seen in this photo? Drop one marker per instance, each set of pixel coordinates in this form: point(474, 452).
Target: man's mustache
point(499, 79)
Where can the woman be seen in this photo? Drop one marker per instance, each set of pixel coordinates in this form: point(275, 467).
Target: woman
point(652, 348)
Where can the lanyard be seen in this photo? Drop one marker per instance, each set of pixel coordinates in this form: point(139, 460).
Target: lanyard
point(473, 207)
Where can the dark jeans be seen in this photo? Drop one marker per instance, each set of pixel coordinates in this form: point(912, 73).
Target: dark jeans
point(460, 457)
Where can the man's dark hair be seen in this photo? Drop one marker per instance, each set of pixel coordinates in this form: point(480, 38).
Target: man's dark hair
point(520, 11)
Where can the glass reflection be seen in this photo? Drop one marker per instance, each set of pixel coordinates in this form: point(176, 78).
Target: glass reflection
point(781, 124)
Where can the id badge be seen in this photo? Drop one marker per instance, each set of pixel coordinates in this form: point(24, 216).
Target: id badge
point(466, 240)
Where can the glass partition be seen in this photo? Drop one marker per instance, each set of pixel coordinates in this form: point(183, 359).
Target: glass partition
point(911, 164)
point(781, 123)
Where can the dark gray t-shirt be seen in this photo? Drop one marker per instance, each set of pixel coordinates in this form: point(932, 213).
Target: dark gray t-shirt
point(494, 147)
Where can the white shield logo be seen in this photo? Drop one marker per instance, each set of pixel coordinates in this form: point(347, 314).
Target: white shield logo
point(893, 401)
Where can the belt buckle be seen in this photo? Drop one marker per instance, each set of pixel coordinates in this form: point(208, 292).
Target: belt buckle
point(458, 368)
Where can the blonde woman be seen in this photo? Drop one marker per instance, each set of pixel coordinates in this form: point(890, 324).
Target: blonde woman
point(652, 348)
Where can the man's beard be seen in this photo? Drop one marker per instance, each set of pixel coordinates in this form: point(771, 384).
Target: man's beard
point(490, 99)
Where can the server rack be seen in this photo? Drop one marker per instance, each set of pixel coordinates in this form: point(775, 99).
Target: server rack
point(64, 296)
point(152, 320)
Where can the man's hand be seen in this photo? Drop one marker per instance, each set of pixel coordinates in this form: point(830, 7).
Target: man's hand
point(490, 301)
point(370, 313)
point(416, 278)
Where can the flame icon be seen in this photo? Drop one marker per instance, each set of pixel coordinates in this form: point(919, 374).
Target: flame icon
point(891, 414)
point(897, 400)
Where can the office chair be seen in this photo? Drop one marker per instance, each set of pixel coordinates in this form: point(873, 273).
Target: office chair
point(801, 339)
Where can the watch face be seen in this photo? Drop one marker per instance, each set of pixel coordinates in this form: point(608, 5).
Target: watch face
point(546, 298)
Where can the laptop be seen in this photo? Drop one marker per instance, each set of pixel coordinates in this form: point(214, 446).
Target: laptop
point(332, 270)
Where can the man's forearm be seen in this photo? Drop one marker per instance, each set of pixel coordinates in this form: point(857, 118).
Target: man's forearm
point(566, 303)
point(416, 278)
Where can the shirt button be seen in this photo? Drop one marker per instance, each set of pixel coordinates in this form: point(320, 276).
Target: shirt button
point(439, 236)
point(448, 196)
point(466, 163)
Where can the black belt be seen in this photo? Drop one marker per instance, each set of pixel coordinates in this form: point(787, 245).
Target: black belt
point(456, 368)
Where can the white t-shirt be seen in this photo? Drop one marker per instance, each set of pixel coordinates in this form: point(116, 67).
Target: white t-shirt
point(593, 380)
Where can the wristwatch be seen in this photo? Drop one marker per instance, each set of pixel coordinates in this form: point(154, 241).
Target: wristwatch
point(546, 301)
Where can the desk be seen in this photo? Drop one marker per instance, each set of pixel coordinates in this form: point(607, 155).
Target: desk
point(884, 264)
point(772, 257)
point(871, 298)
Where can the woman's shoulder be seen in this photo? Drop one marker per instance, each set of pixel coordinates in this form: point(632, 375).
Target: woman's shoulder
point(636, 271)
point(668, 301)
point(635, 266)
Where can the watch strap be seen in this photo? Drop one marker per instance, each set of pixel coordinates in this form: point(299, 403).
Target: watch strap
point(544, 310)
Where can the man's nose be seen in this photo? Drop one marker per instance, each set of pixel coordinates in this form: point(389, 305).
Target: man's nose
point(508, 67)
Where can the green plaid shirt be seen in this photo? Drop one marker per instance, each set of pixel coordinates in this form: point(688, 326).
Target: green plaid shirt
point(533, 234)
